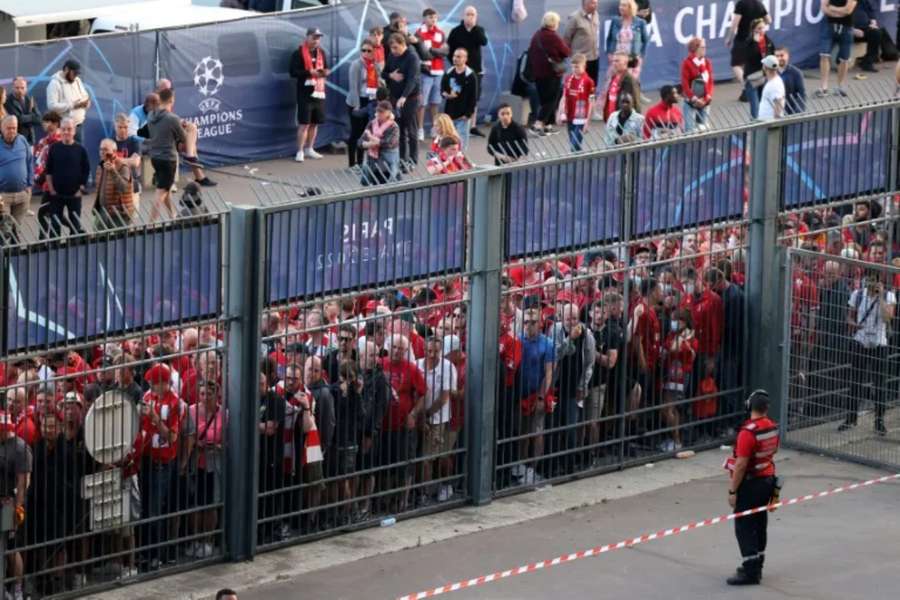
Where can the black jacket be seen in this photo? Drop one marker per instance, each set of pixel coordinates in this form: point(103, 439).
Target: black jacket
point(408, 64)
point(324, 412)
point(375, 397)
point(466, 86)
point(511, 141)
point(472, 41)
point(26, 112)
point(298, 71)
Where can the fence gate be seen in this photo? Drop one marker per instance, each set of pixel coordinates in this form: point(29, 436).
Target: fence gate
point(843, 354)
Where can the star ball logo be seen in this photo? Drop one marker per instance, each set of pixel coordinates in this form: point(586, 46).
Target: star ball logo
point(209, 77)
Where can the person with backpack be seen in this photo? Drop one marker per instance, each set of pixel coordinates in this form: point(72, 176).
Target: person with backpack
point(547, 54)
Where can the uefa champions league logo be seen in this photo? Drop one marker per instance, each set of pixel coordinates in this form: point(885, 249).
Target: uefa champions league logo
point(209, 77)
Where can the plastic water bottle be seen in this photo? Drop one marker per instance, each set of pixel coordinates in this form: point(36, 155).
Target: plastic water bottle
point(388, 521)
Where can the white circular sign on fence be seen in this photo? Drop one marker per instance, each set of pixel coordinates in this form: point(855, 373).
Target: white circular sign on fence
point(110, 427)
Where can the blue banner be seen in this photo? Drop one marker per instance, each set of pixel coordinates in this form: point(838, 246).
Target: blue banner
point(839, 157)
point(110, 285)
point(566, 205)
point(365, 242)
point(689, 183)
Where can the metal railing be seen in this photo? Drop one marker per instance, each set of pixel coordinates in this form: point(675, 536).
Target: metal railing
point(464, 272)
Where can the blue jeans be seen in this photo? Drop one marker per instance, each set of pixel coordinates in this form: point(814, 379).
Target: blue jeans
point(462, 128)
point(576, 137)
point(534, 103)
point(381, 170)
point(752, 94)
point(694, 116)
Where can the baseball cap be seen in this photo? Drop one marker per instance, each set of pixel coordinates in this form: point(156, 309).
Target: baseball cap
point(158, 373)
point(72, 65)
point(314, 32)
point(770, 62)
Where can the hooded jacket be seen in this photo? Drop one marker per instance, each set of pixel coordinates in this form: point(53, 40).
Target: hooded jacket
point(62, 96)
point(166, 133)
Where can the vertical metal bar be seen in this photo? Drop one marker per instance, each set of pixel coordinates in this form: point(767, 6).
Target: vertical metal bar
point(784, 259)
point(764, 308)
point(486, 256)
point(245, 269)
point(894, 157)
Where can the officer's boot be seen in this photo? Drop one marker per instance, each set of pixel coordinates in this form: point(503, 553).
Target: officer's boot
point(747, 574)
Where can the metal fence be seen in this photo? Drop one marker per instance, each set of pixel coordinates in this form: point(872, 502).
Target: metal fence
point(842, 381)
point(345, 360)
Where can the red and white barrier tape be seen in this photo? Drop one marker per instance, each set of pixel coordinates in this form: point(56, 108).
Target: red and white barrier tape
point(648, 537)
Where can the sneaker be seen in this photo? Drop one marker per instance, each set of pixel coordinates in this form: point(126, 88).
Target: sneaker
point(191, 550)
point(841, 92)
point(207, 182)
point(518, 471)
point(205, 550)
point(532, 478)
point(18, 594)
point(534, 130)
point(667, 446)
point(476, 132)
point(869, 68)
point(299, 156)
point(420, 135)
point(550, 130)
point(129, 572)
point(311, 153)
point(846, 425)
point(820, 93)
point(284, 532)
point(445, 493)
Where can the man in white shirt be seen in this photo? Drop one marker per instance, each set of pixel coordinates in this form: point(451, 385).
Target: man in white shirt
point(67, 96)
point(872, 308)
point(771, 105)
point(440, 381)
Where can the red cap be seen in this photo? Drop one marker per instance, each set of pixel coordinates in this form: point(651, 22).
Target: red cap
point(158, 373)
point(564, 296)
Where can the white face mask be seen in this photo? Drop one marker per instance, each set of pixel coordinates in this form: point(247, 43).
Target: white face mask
point(689, 288)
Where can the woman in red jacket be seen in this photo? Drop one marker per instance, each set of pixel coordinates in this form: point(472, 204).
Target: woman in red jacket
point(696, 85)
point(547, 56)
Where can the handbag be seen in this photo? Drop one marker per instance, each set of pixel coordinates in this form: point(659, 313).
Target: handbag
point(558, 67)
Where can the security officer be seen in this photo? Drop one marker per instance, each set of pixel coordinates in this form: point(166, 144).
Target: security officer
point(753, 484)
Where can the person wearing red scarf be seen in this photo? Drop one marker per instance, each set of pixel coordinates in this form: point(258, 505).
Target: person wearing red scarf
point(364, 81)
point(696, 85)
point(309, 68)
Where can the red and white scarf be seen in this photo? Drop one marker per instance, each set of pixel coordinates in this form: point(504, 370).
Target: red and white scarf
point(317, 83)
point(312, 445)
point(376, 132)
point(371, 78)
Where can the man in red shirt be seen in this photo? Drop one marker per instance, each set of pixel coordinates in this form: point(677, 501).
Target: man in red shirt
point(708, 316)
point(646, 341)
point(664, 118)
point(753, 484)
point(158, 439)
point(398, 438)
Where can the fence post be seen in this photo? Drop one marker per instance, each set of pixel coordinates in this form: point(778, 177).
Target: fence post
point(244, 304)
point(765, 299)
point(487, 195)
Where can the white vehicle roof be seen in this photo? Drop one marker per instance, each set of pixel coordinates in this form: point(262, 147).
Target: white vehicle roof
point(26, 13)
point(150, 17)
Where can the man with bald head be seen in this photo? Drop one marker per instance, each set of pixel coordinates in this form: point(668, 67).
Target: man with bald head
point(576, 353)
point(472, 37)
point(16, 177)
point(137, 118)
point(324, 403)
point(24, 107)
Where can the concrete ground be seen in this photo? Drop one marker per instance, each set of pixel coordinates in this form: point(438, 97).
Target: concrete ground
point(836, 547)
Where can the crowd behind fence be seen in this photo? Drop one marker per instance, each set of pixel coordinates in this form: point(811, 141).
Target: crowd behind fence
point(334, 363)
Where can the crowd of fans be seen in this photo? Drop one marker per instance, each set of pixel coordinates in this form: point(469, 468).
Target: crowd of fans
point(401, 71)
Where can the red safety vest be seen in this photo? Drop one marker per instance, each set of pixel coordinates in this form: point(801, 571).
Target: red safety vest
point(765, 434)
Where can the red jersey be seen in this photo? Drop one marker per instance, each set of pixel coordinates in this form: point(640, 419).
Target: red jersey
point(577, 93)
point(708, 315)
point(510, 357)
point(26, 427)
point(152, 441)
point(679, 362)
point(408, 384)
point(649, 331)
point(758, 440)
point(612, 96)
point(663, 116)
point(805, 299)
point(435, 38)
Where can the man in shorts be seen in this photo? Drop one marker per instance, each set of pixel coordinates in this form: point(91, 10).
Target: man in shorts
point(440, 382)
point(310, 69)
point(535, 379)
point(835, 29)
point(435, 42)
point(166, 133)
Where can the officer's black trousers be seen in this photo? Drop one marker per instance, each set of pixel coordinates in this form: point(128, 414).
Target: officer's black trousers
point(751, 531)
